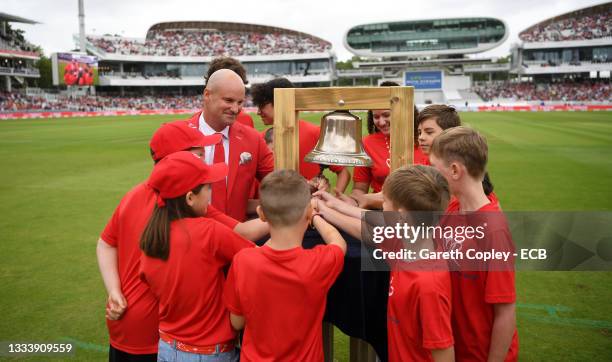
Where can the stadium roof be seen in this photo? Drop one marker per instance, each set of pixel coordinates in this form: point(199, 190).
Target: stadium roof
point(16, 19)
point(596, 9)
point(448, 36)
point(226, 26)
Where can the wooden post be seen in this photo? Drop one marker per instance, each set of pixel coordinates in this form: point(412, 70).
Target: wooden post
point(402, 126)
point(286, 140)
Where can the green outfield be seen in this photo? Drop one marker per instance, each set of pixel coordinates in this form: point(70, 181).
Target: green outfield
point(62, 179)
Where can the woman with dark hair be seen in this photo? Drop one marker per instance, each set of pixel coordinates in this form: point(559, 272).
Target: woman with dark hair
point(377, 146)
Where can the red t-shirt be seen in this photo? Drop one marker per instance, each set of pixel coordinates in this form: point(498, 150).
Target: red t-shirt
point(419, 311)
point(474, 293)
point(453, 203)
point(137, 330)
point(189, 285)
point(282, 295)
point(245, 119)
point(376, 146)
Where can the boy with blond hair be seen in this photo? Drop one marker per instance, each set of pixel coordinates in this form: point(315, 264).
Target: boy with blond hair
point(279, 290)
point(483, 308)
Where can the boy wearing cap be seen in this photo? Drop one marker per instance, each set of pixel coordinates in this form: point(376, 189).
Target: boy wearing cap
point(131, 310)
point(184, 258)
point(279, 290)
point(430, 122)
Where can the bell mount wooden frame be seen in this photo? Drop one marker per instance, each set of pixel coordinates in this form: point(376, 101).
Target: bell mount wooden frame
point(289, 101)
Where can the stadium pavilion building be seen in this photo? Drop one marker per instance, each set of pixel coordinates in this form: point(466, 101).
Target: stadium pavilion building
point(17, 55)
point(575, 45)
point(431, 55)
point(174, 56)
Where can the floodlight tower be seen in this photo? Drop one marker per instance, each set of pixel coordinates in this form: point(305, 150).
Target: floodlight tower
point(82, 27)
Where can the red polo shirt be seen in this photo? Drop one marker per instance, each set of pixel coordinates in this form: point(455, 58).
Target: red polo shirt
point(189, 285)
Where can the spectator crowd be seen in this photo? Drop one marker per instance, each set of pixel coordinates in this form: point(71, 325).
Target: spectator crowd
point(591, 26)
point(567, 91)
point(210, 43)
point(12, 102)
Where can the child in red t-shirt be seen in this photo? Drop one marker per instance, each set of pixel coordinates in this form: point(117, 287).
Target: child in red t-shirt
point(131, 309)
point(185, 255)
point(132, 316)
point(419, 305)
point(279, 290)
point(430, 122)
point(484, 315)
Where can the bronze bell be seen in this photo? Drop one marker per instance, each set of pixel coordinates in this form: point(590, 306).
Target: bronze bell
point(339, 141)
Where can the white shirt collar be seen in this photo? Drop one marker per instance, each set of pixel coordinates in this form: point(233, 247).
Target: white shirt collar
point(207, 130)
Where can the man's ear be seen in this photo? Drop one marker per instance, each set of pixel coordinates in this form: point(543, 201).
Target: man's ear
point(206, 93)
point(261, 214)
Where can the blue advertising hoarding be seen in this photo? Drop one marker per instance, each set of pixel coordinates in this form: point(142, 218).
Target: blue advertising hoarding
point(431, 79)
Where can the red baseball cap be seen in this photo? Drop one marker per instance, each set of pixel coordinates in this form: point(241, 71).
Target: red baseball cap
point(178, 136)
point(181, 172)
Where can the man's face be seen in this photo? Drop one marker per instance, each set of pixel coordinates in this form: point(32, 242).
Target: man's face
point(222, 105)
point(266, 113)
point(428, 131)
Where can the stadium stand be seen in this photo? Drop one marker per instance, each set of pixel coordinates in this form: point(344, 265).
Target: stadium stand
point(17, 54)
point(187, 43)
point(13, 39)
point(177, 53)
point(13, 101)
point(565, 58)
point(575, 26)
point(566, 91)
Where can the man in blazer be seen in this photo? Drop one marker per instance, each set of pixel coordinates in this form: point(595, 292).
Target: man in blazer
point(242, 148)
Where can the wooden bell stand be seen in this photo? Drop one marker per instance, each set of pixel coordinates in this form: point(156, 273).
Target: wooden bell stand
point(289, 101)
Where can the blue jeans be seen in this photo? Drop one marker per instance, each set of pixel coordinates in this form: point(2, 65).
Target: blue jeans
point(169, 353)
